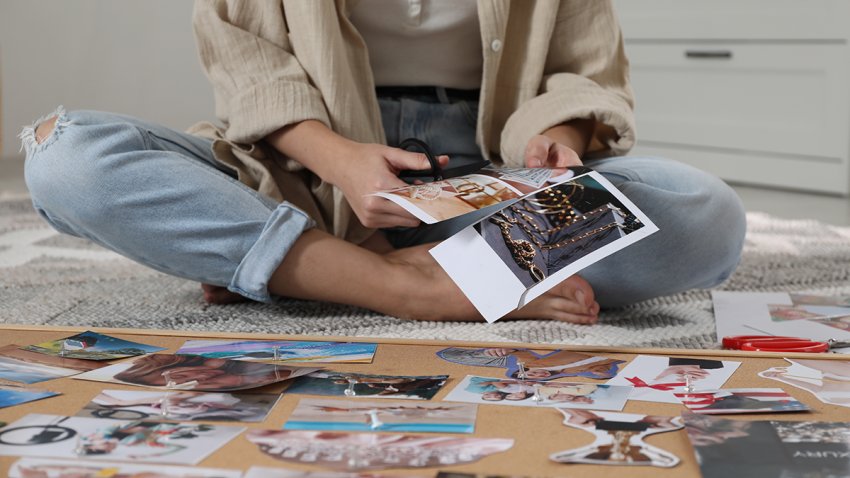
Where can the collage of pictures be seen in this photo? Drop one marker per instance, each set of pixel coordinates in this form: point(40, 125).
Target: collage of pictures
point(165, 413)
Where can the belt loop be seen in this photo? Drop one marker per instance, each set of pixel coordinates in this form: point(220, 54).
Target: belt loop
point(442, 95)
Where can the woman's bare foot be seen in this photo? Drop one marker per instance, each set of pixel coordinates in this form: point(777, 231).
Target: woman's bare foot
point(436, 297)
point(214, 294)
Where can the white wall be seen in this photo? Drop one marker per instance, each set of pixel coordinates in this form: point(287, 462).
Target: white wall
point(135, 57)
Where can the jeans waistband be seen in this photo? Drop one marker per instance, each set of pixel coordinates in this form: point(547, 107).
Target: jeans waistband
point(436, 92)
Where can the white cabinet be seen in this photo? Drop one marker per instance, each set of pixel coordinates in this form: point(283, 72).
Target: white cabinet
point(755, 91)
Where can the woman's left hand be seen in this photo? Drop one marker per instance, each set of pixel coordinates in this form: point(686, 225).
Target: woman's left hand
point(544, 152)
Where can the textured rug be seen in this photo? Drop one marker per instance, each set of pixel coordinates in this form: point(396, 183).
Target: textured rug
point(51, 279)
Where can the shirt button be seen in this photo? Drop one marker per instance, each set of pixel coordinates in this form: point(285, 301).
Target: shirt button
point(496, 45)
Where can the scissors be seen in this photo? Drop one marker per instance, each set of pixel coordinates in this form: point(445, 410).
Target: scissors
point(774, 343)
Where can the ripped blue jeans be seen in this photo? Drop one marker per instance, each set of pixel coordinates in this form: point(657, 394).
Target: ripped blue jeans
point(159, 197)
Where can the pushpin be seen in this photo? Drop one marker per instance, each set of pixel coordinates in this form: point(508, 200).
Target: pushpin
point(349, 392)
point(537, 398)
point(521, 373)
point(276, 351)
point(374, 421)
point(169, 382)
point(63, 348)
point(80, 448)
point(689, 384)
point(165, 403)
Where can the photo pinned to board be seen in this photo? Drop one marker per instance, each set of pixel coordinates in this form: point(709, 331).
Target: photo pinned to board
point(727, 448)
point(11, 396)
point(501, 391)
point(741, 400)
point(618, 438)
point(55, 436)
point(373, 451)
point(828, 380)
point(533, 244)
point(350, 384)
point(91, 345)
point(193, 372)
point(282, 351)
point(48, 468)
point(180, 406)
point(365, 416)
point(23, 366)
point(658, 378)
point(538, 365)
point(265, 472)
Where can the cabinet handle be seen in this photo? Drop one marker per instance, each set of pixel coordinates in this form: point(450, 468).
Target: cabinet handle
point(723, 54)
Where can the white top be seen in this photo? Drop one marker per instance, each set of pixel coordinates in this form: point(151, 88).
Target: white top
point(421, 42)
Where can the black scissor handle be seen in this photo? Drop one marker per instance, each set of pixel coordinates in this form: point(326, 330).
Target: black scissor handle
point(436, 172)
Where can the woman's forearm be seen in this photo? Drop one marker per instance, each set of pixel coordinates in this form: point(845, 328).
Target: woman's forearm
point(314, 145)
point(573, 134)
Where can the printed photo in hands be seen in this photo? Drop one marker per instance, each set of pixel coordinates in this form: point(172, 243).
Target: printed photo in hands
point(440, 200)
point(524, 249)
point(552, 228)
point(657, 379)
point(501, 391)
point(619, 438)
point(371, 451)
point(180, 406)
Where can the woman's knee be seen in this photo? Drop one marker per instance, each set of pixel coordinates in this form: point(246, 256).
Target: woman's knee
point(703, 215)
point(68, 157)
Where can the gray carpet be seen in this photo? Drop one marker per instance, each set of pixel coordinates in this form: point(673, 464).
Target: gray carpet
point(51, 279)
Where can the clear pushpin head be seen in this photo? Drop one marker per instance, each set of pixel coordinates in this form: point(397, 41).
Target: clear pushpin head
point(521, 373)
point(537, 397)
point(374, 421)
point(276, 352)
point(349, 392)
point(80, 447)
point(63, 348)
point(689, 384)
point(169, 381)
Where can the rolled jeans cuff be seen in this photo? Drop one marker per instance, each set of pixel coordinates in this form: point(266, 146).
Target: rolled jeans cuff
point(283, 228)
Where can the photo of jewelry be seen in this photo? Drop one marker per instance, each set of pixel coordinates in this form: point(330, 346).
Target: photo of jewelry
point(559, 224)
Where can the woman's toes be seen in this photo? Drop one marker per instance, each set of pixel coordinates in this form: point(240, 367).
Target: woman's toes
point(214, 294)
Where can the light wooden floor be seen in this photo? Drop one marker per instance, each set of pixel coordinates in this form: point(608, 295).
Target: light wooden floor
point(785, 204)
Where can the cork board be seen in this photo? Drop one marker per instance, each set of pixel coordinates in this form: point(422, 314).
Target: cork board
point(537, 432)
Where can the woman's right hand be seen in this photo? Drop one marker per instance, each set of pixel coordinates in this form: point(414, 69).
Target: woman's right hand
point(357, 169)
point(372, 168)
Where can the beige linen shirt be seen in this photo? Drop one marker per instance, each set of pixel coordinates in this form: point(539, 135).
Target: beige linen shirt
point(277, 62)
